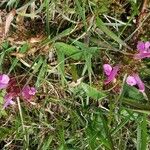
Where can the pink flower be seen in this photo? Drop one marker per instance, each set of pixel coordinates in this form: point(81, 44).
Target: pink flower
point(110, 72)
point(140, 83)
point(28, 92)
point(135, 80)
point(13, 90)
point(8, 100)
point(131, 80)
point(147, 46)
point(142, 55)
point(144, 50)
point(141, 46)
point(4, 80)
point(107, 69)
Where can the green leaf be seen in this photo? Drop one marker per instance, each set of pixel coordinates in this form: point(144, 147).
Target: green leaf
point(81, 11)
point(107, 131)
point(74, 72)
point(1, 61)
point(142, 133)
point(135, 104)
point(68, 50)
point(92, 92)
point(4, 132)
point(37, 65)
point(42, 73)
point(23, 49)
point(64, 33)
point(61, 66)
point(5, 45)
point(85, 48)
point(46, 143)
point(47, 16)
point(133, 93)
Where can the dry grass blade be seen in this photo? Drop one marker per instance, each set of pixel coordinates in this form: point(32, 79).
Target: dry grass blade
point(9, 19)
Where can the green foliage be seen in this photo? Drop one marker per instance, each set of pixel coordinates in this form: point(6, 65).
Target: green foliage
point(142, 133)
point(69, 50)
point(84, 53)
point(42, 72)
point(111, 34)
point(92, 92)
point(133, 93)
point(80, 113)
point(102, 6)
point(15, 61)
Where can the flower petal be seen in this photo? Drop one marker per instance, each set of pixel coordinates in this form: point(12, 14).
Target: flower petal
point(142, 55)
point(131, 81)
point(32, 91)
point(139, 83)
point(141, 46)
point(107, 69)
point(28, 92)
point(8, 100)
point(147, 45)
point(4, 80)
point(112, 75)
point(3, 86)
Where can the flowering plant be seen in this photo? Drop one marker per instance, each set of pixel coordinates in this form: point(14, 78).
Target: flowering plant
point(13, 90)
point(133, 79)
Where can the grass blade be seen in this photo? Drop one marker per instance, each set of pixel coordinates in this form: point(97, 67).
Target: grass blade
point(103, 27)
point(142, 133)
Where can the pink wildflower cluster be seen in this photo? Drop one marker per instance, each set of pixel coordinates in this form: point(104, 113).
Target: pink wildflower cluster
point(13, 91)
point(133, 79)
